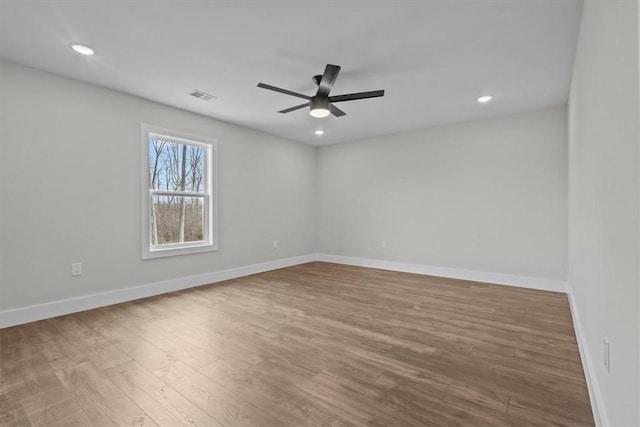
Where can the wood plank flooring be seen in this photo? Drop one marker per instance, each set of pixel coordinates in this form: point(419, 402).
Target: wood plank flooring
point(313, 345)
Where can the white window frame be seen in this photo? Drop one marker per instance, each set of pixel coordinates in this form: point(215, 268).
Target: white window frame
point(210, 232)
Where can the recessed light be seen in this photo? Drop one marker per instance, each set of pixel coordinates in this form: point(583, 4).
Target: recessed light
point(80, 48)
point(484, 99)
point(319, 132)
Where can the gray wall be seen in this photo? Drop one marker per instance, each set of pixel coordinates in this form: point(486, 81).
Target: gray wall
point(604, 202)
point(70, 190)
point(487, 195)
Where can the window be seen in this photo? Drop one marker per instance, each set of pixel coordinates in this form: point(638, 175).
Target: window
point(178, 193)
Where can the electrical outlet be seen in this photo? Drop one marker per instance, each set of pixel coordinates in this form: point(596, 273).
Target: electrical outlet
point(275, 244)
point(76, 269)
point(383, 244)
point(606, 349)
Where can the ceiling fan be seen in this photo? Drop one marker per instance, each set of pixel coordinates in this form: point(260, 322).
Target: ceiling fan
point(321, 104)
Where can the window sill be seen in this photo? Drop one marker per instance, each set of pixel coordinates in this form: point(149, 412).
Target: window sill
point(167, 252)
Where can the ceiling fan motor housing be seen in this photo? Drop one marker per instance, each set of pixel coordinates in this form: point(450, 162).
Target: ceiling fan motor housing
point(319, 102)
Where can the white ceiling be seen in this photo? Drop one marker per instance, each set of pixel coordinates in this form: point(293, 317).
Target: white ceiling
point(433, 58)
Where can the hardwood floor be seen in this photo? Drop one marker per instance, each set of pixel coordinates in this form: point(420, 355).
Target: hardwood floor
point(313, 345)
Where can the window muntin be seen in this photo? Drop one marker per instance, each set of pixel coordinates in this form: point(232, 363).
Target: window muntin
point(178, 206)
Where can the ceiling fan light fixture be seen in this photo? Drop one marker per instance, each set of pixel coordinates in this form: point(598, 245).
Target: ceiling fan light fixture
point(319, 107)
point(319, 132)
point(319, 112)
point(485, 98)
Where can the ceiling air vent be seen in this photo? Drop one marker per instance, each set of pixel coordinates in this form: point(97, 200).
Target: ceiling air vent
point(202, 95)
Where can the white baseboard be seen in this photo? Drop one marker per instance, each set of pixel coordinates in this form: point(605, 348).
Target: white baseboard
point(597, 403)
point(47, 310)
point(453, 273)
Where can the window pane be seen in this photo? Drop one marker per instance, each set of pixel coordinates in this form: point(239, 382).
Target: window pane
point(176, 219)
point(176, 167)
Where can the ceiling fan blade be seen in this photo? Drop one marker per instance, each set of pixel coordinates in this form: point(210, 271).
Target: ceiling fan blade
point(354, 96)
point(285, 91)
point(297, 107)
point(336, 111)
point(328, 79)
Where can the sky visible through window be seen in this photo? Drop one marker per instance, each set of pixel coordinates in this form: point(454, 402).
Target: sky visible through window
point(175, 167)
